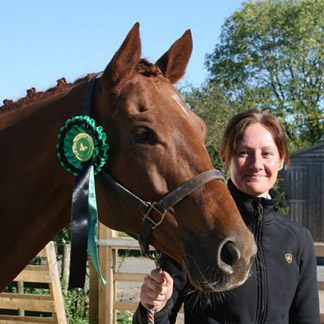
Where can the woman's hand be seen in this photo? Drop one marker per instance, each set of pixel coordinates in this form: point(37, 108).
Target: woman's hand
point(156, 290)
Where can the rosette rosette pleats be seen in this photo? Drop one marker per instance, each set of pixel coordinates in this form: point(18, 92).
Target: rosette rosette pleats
point(82, 150)
point(77, 139)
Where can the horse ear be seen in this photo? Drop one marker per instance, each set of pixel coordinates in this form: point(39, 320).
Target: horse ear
point(174, 62)
point(123, 64)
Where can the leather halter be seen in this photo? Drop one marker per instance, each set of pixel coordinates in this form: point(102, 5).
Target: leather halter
point(144, 207)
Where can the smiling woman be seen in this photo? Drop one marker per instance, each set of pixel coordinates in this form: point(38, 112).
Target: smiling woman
point(283, 286)
point(254, 150)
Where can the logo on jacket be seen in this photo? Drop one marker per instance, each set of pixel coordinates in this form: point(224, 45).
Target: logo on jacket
point(289, 257)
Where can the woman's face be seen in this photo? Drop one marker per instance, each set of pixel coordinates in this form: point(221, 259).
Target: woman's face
point(255, 165)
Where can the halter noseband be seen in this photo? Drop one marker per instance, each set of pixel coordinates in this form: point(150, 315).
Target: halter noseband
point(144, 207)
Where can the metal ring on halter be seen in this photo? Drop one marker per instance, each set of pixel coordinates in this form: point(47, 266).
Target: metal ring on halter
point(155, 257)
point(146, 215)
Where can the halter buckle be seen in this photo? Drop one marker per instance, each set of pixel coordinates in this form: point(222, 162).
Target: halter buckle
point(146, 215)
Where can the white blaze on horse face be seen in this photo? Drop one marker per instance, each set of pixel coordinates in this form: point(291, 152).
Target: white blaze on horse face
point(177, 99)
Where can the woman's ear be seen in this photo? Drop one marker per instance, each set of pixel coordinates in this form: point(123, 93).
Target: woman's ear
point(281, 164)
point(222, 155)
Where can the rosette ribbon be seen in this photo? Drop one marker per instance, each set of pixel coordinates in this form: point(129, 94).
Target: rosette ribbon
point(82, 149)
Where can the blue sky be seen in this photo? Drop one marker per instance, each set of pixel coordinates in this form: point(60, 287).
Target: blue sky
point(44, 40)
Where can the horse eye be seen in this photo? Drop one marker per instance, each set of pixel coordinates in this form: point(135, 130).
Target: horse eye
point(145, 135)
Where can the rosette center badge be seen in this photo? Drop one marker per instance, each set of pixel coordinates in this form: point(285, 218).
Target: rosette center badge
point(83, 147)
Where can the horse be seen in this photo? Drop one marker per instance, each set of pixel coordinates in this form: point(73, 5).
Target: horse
point(156, 146)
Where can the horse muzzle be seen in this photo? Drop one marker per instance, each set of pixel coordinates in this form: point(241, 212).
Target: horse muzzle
point(225, 269)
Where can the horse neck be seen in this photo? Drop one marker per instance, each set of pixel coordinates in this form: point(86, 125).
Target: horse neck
point(35, 189)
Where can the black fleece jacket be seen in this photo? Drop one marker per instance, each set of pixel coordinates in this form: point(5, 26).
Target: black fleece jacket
point(281, 288)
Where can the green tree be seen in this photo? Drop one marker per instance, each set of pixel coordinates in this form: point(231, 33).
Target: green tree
point(209, 102)
point(271, 55)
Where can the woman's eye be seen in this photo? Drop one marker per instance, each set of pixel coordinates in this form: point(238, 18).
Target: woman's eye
point(145, 135)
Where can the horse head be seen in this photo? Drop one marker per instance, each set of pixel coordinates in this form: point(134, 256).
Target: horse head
point(157, 145)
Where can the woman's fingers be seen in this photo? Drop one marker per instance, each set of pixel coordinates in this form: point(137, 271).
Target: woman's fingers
point(156, 290)
point(168, 285)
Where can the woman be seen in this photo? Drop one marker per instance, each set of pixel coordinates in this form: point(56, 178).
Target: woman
point(282, 286)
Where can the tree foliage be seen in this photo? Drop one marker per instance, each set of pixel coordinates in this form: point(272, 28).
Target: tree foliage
point(271, 55)
point(210, 104)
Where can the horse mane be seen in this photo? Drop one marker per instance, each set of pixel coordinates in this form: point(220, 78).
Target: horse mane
point(144, 67)
point(34, 96)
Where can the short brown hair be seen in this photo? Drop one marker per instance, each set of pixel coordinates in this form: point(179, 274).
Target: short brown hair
point(237, 125)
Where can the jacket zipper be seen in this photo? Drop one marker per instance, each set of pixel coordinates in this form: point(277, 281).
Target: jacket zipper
point(261, 311)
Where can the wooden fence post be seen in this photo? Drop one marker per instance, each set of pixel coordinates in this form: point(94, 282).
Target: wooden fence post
point(102, 296)
point(20, 287)
point(55, 284)
point(66, 267)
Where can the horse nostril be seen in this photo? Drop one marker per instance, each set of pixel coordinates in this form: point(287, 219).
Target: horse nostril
point(227, 256)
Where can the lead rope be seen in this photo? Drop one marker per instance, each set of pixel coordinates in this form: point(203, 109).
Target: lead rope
point(150, 312)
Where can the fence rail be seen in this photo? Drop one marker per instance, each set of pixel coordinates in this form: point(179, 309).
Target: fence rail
point(45, 273)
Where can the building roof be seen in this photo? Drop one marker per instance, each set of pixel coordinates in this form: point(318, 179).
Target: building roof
point(311, 154)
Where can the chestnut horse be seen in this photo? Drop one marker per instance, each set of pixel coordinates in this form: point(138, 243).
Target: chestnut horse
point(156, 145)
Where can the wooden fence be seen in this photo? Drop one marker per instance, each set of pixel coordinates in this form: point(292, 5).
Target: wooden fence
point(103, 299)
point(52, 302)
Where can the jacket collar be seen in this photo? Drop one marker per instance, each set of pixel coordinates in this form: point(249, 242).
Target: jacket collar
point(248, 205)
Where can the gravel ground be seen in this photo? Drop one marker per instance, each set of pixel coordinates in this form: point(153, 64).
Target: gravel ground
point(129, 291)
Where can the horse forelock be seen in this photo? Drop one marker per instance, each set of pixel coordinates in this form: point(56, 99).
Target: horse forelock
point(147, 68)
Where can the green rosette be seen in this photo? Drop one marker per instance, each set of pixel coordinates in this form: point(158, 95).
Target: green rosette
point(82, 150)
point(79, 141)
